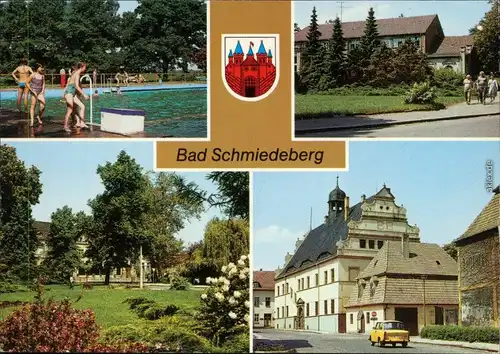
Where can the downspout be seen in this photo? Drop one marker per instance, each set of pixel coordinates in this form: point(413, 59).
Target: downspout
point(425, 314)
point(459, 290)
point(285, 315)
point(319, 305)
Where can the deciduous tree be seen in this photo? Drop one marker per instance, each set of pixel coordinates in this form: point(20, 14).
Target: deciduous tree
point(486, 38)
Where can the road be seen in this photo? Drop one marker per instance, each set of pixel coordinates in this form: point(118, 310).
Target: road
point(308, 342)
point(478, 127)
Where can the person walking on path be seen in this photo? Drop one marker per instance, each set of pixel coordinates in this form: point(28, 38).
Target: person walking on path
point(36, 86)
point(71, 96)
point(492, 88)
point(94, 77)
point(482, 87)
point(71, 281)
point(467, 88)
point(62, 73)
point(24, 72)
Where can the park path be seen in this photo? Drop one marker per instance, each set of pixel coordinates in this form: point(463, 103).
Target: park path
point(457, 111)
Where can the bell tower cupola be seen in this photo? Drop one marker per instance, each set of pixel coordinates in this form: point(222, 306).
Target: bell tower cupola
point(336, 202)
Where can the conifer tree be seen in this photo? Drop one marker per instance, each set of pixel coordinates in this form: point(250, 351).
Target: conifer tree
point(312, 57)
point(370, 41)
point(335, 59)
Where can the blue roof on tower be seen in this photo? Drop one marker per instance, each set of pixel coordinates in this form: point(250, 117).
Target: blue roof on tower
point(262, 50)
point(269, 54)
point(230, 53)
point(238, 49)
point(250, 51)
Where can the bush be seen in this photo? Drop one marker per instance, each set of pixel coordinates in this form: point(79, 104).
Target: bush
point(462, 333)
point(155, 311)
point(238, 344)
point(6, 287)
point(179, 283)
point(447, 79)
point(159, 335)
point(49, 327)
point(421, 93)
point(224, 310)
point(133, 302)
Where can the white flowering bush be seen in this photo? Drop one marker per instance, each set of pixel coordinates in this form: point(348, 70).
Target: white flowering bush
point(225, 306)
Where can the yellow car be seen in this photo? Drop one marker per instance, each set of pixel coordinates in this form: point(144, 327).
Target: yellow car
point(389, 332)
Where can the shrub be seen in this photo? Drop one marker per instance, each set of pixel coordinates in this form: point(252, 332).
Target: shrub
point(179, 283)
point(155, 311)
point(447, 78)
point(48, 326)
point(462, 333)
point(119, 347)
point(421, 93)
point(224, 309)
point(238, 344)
point(6, 287)
point(142, 308)
point(133, 302)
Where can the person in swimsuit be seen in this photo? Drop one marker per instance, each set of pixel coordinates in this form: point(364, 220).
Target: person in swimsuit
point(71, 96)
point(36, 85)
point(24, 72)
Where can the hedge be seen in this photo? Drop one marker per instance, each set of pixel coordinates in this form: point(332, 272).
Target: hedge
point(469, 334)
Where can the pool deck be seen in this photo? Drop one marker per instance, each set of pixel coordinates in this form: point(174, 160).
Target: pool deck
point(16, 125)
point(11, 94)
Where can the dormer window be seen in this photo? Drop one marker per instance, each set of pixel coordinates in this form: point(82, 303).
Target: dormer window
point(256, 284)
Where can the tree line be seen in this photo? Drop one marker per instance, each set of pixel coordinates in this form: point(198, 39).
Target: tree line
point(155, 37)
point(373, 63)
point(135, 209)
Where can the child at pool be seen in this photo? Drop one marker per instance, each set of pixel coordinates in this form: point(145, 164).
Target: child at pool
point(71, 96)
point(96, 93)
point(36, 86)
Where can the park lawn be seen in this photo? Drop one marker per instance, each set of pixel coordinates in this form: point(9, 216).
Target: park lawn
point(324, 106)
point(108, 303)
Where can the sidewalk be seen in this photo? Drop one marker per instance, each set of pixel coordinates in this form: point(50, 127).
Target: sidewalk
point(479, 346)
point(458, 111)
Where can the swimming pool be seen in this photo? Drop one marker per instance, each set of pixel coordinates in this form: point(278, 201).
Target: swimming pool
point(181, 113)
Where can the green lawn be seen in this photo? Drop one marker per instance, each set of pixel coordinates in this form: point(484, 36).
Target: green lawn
point(108, 303)
point(323, 106)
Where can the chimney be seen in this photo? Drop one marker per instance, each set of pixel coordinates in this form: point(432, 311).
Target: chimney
point(326, 218)
point(405, 247)
point(363, 198)
point(288, 257)
point(260, 269)
point(346, 208)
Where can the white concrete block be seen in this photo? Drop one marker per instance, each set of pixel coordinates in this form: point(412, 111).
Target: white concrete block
point(122, 121)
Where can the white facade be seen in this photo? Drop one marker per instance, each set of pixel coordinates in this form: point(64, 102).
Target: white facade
point(263, 308)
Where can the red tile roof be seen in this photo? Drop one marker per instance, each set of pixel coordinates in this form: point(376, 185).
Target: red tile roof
point(451, 45)
point(265, 279)
point(386, 27)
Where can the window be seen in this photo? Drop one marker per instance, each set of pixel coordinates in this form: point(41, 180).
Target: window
point(302, 283)
point(287, 289)
point(118, 271)
point(308, 282)
point(278, 312)
point(362, 243)
point(371, 244)
point(316, 308)
point(367, 318)
point(326, 276)
point(332, 306)
point(256, 301)
point(283, 311)
point(287, 311)
point(268, 302)
point(316, 279)
point(351, 318)
point(325, 309)
point(278, 290)
point(380, 244)
point(298, 284)
point(307, 310)
point(256, 318)
point(283, 289)
point(332, 275)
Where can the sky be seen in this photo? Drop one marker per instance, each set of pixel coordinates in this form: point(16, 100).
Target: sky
point(456, 17)
point(69, 176)
point(441, 184)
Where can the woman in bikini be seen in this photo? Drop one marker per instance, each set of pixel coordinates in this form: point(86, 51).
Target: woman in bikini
point(36, 85)
point(71, 97)
point(24, 72)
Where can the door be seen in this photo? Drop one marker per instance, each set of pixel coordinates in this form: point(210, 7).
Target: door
point(409, 316)
point(267, 320)
point(361, 322)
point(300, 317)
point(250, 86)
point(342, 326)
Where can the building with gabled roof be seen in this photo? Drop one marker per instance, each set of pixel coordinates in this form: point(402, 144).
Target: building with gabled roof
point(315, 284)
point(416, 283)
point(263, 299)
point(479, 267)
point(455, 52)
